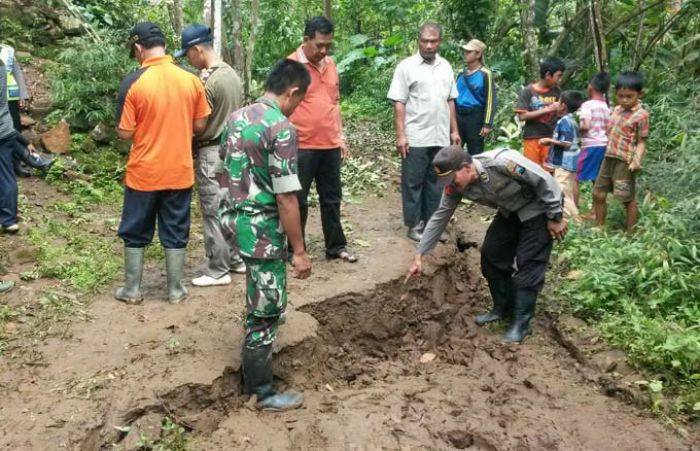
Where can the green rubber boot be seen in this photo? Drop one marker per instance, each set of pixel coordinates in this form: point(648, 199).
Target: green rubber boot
point(175, 268)
point(502, 297)
point(257, 379)
point(524, 311)
point(133, 270)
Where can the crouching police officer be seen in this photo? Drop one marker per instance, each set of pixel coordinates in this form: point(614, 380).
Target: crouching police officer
point(529, 217)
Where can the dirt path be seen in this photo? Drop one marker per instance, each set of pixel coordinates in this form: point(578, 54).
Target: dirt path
point(353, 342)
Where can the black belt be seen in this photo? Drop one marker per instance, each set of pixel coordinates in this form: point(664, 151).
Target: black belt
point(212, 142)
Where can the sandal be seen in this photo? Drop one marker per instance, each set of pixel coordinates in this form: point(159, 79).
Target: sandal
point(345, 255)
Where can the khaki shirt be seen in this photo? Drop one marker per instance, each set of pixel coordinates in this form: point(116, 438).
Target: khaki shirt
point(506, 180)
point(425, 89)
point(225, 95)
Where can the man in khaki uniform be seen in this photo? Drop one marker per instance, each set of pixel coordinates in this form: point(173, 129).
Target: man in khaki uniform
point(225, 95)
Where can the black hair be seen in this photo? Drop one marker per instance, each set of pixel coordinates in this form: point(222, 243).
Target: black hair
point(286, 73)
point(601, 82)
point(154, 41)
point(318, 24)
point(551, 65)
point(430, 26)
point(630, 80)
point(572, 100)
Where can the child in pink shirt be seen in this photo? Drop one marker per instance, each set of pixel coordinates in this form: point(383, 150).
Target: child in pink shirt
point(594, 118)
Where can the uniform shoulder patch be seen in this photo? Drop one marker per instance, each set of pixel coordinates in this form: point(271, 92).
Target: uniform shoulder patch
point(484, 177)
point(514, 168)
point(450, 190)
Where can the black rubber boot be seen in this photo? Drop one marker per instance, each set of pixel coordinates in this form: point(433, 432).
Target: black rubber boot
point(502, 296)
point(524, 311)
point(257, 380)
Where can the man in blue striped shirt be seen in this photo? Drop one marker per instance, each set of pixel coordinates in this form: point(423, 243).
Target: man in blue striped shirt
point(476, 103)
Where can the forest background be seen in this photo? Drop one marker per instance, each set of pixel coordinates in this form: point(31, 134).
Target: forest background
point(642, 290)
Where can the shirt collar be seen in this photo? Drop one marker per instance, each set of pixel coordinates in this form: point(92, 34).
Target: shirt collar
point(420, 60)
point(157, 60)
point(269, 102)
point(301, 57)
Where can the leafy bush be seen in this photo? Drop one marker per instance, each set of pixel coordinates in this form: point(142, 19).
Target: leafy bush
point(86, 79)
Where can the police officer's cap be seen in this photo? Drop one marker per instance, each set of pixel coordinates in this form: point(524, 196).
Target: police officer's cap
point(191, 36)
point(448, 161)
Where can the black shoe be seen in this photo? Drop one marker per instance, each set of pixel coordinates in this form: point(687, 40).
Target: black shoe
point(20, 170)
point(502, 297)
point(524, 311)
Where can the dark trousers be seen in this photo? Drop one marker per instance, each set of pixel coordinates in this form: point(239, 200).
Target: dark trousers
point(8, 183)
point(13, 106)
point(528, 244)
point(420, 194)
point(141, 208)
point(470, 122)
point(323, 166)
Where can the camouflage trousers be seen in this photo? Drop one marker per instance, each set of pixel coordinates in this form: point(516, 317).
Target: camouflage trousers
point(266, 299)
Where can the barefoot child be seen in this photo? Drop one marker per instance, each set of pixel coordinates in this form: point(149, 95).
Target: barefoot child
point(564, 150)
point(594, 118)
point(627, 139)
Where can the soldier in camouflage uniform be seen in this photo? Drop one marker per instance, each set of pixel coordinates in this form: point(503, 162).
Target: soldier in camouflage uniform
point(261, 211)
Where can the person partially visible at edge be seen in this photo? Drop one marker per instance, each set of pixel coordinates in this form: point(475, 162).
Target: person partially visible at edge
point(261, 209)
point(476, 103)
point(529, 217)
point(564, 150)
point(17, 98)
point(160, 107)
point(8, 181)
point(594, 118)
point(423, 91)
point(627, 144)
point(225, 95)
point(537, 106)
point(322, 146)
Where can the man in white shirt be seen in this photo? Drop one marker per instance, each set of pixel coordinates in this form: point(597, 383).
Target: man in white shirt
point(423, 91)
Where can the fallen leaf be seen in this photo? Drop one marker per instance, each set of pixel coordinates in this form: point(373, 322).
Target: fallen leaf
point(427, 357)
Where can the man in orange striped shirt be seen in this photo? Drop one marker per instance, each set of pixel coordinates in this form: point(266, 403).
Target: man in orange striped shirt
point(160, 107)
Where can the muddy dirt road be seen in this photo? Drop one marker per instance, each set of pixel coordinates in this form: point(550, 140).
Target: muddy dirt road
point(384, 366)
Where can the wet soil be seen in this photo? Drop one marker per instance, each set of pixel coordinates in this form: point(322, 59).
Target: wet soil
point(383, 364)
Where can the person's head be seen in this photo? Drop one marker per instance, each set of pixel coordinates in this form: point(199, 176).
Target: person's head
point(288, 81)
point(551, 70)
point(146, 40)
point(453, 166)
point(318, 38)
point(429, 39)
point(629, 89)
point(599, 84)
point(569, 102)
point(473, 51)
point(196, 44)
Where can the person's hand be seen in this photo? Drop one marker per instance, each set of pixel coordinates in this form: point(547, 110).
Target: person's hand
point(485, 131)
point(22, 104)
point(344, 152)
point(31, 148)
point(545, 141)
point(455, 139)
point(402, 145)
point(634, 166)
point(557, 229)
point(415, 269)
point(552, 106)
point(301, 266)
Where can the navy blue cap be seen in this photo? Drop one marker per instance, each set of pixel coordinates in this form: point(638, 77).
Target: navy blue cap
point(193, 35)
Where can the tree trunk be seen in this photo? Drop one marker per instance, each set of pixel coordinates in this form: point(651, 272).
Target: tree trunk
point(175, 12)
point(527, 17)
point(250, 48)
point(207, 13)
point(217, 28)
point(636, 53)
point(598, 34)
point(327, 10)
point(238, 60)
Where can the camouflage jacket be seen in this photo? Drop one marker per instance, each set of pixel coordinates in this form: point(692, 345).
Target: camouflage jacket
point(259, 151)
